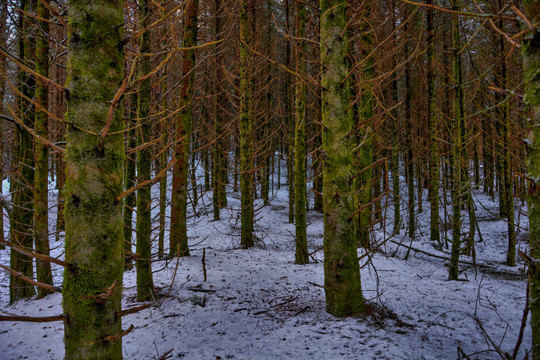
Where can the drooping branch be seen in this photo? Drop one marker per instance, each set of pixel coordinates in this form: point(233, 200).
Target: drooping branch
point(40, 257)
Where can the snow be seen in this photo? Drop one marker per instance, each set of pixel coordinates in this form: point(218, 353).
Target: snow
point(257, 304)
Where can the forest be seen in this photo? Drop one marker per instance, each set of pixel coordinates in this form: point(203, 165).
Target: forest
point(269, 179)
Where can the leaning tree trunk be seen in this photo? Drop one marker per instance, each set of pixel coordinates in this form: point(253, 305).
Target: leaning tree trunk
point(341, 269)
point(92, 291)
point(531, 64)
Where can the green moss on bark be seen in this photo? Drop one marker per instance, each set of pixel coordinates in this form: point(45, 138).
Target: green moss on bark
point(531, 66)
point(94, 174)
point(341, 269)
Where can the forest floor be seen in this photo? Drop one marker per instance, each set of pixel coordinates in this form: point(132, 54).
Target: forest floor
point(257, 304)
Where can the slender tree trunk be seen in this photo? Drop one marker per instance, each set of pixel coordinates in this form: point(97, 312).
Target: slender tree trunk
point(219, 172)
point(163, 157)
point(365, 123)
point(341, 269)
point(3, 41)
point(179, 240)
point(302, 256)
point(145, 283)
point(94, 171)
point(41, 152)
point(290, 120)
point(246, 134)
point(23, 182)
point(506, 164)
point(432, 124)
point(395, 140)
point(410, 157)
point(129, 181)
point(458, 147)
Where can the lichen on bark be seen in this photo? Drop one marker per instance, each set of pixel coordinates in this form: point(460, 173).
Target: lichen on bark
point(341, 268)
point(94, 172)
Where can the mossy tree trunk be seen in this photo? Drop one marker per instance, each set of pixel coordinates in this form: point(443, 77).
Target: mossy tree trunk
point(457, 149)
point(341, 269)
point(301, 254)
point(246, 135)
point(531, 64)
point(178, 238)
point(41, 152)
point(94, 172)
point(432, 124)
point(145, 284)
point(23, 182)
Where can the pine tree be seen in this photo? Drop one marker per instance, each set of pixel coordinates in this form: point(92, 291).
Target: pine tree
point(246, 135)
point(23, 182)
point(145, 284)
point(179, 240)
point(94, 172)
point(531, 64)
point(341, 268)
point(41, 173)
point(302, 256)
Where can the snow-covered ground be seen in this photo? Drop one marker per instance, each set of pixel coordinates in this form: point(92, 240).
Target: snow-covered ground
point(258, 304)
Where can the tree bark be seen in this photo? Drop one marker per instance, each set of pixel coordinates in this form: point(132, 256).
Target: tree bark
point(246, 135)
point(145, 283)
point(41, 152)
point(531, 63)
point(341, 269)
point(179, 240)
point(301, 254)
point(94, 172)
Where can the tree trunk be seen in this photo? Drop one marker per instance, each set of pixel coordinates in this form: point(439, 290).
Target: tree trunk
point(219, 160)
point(3, 41)
point(531, 64)
point(129, 181)
point(23, 182)
point(145, 283)
point(246, 135)
point(41, 151)
point(432, 124)
point(341, 269)
point(457, 150)
point(179, 240)
point(302, 256)
point(94, 169)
